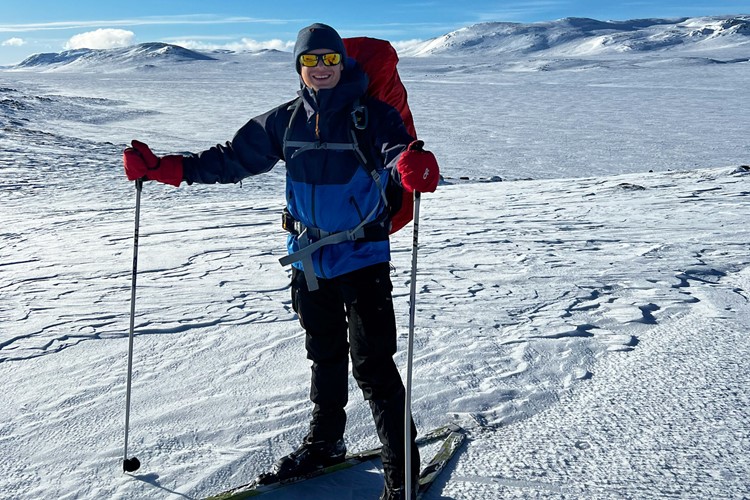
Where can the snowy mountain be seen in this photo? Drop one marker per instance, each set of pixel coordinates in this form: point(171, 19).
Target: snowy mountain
point(562, 39)
point(143, 54)
point(581, 36)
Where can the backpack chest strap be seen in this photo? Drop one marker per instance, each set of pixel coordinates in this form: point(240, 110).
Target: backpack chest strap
point(303, 146)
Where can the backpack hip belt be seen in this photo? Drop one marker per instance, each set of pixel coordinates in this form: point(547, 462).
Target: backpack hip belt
point(373, 231)
point(311, 239)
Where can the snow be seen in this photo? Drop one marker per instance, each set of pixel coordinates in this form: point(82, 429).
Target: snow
point(581, 36)
point(585, 319)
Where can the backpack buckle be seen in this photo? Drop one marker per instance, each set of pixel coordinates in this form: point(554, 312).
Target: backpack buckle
point(289, 223)
point(360, 117)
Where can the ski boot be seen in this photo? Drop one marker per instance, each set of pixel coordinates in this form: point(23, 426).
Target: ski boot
point(309, 457)
point(398, 492)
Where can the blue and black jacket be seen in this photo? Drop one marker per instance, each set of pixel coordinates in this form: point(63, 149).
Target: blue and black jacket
point(326, 189)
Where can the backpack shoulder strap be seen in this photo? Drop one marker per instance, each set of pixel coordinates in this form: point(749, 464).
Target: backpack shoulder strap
point(360, 121)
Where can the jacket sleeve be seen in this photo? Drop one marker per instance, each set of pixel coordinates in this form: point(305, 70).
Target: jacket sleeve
point(254, 149)
point(391, 139)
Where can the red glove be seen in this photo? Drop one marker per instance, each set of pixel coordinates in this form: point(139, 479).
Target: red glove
point(418, 168)
point(141, 163)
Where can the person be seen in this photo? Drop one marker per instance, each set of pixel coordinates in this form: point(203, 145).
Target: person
point(342, 178)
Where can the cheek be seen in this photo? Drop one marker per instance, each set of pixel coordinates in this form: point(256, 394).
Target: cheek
point(337, 75)
point(305, 76)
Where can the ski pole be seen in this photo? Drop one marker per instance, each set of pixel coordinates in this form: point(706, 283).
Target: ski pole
point(410, 352)
point(132, 464)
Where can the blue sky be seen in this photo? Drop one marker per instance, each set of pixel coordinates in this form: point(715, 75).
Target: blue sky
point(34, 26)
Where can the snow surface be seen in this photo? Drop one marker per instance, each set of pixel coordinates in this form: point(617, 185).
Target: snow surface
point(585, 320)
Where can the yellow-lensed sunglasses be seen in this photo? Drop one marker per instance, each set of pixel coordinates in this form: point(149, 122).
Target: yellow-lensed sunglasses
point(311, 60)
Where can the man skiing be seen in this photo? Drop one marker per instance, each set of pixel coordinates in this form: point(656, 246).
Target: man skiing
point(348, 159)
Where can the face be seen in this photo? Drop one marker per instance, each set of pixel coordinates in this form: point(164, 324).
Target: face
point(321, 76)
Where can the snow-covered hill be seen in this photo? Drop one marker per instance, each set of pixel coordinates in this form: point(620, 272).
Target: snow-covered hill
point(581, 36)
point(144, 54)
point(570, 40)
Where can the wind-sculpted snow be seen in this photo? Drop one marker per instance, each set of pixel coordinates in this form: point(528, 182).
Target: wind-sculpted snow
point(583, 318)
point(635, 430)
point(593, 259)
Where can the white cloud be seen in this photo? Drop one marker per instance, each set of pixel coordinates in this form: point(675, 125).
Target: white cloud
point(197, 19)
point(13, 42)
point(106, 38)
point(247, 44)
point(275, 44)
point(243, 44)
point(406, 46)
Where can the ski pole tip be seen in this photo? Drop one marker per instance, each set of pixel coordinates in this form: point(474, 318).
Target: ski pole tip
point(131, 464)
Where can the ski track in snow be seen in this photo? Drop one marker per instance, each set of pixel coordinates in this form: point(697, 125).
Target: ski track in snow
point(549, 313)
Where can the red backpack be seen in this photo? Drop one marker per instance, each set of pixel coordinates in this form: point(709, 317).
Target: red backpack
point(378, 59)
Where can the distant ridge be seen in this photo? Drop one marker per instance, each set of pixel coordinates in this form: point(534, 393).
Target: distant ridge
point(567, 42)
point(572, 37)
point(134, 55)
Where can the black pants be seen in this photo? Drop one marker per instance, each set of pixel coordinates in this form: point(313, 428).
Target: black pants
point(353, 314)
